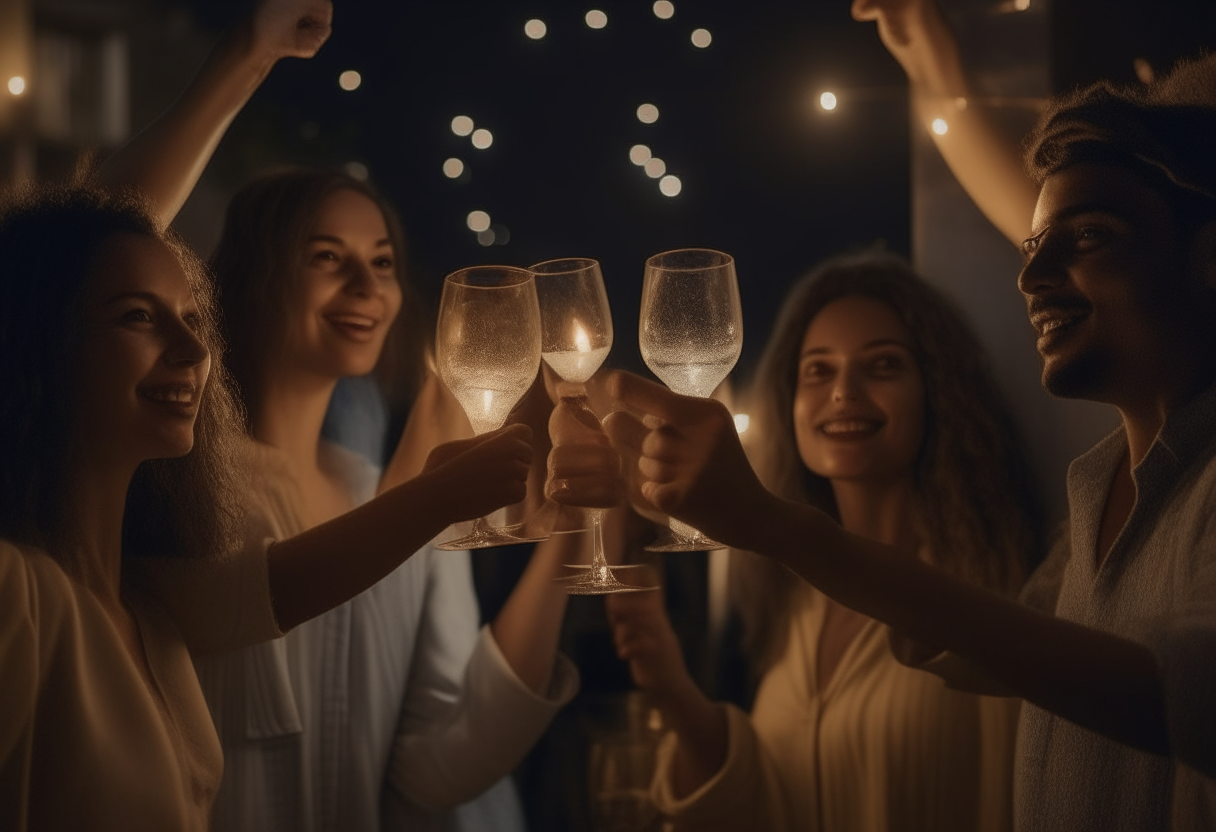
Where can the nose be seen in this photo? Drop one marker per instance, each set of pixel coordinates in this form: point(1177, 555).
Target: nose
point(361, 281)
point(846, 386)
point(1043, 270)
point(186, 348)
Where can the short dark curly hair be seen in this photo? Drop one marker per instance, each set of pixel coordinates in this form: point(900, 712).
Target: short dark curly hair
point(49, 237)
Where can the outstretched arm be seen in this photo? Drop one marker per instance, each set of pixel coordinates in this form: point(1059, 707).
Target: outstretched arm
point(692, 466)
point(986, 163)
point(166, 159)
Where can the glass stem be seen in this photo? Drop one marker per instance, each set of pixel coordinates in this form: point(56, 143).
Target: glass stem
point(599, 564)
point(481, 524)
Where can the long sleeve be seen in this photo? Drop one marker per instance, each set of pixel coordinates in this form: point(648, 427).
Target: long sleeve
point(744, 794)
point(467, 720)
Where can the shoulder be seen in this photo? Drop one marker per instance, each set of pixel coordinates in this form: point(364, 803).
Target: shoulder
point(29, 578)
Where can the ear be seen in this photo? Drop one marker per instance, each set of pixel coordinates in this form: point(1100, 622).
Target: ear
point(1202, 259)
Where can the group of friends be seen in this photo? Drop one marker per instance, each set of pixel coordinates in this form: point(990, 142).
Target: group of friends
point(211, 617)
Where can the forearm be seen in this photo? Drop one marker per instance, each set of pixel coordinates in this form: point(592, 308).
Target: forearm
point(1098, 680)
point(528, 628)
point(331, 563)
point(701, 731)
point(167, 158)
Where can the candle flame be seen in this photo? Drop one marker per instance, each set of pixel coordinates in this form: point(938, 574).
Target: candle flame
point(581, 341)
point(487, 398)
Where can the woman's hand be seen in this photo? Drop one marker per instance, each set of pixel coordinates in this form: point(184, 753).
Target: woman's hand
point(470, 478)
point(911, 30)
point(642, 636)
point(584, 468)
point(690, 463)
point(289, 28)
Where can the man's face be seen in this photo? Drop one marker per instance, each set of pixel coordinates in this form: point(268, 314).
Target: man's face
point(1105, 286)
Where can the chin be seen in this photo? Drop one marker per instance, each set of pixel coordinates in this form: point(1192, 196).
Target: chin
point(1083, 377)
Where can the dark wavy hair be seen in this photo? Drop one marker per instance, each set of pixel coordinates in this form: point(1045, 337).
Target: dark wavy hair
point(978, 512)
point(257, 265)
point(187, 506)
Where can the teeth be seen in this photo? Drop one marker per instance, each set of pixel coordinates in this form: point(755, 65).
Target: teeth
point(354, 320)
point(849, 426)
point(179, 394)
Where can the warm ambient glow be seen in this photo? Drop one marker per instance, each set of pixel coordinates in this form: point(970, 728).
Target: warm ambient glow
point(648, 114)
point(16, 85)
point(350, 80)
point(670, 185)
point(478, 221)
point(535, 28)
point(482, 138)
point(639, 154)
point(742, 422)
point(453, 167)
point(1021, 5)
point(664, 9)
point(828, 101)
point(596, 19)
point(462, 125)
point(655, 167)
point(701, 38)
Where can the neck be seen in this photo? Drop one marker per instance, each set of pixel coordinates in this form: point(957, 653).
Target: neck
point(95, 505)
point(1144, 417)
point(288, 416)
point(883, 512)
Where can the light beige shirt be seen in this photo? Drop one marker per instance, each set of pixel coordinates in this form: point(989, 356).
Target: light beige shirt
point(880, 747)
point(85, 742)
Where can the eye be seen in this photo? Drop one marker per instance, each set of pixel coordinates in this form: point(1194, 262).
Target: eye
point(137, 315)
point(816, 371)
point(1090, 236)
point(384, 262)
point(887, 365)
point(325, 255)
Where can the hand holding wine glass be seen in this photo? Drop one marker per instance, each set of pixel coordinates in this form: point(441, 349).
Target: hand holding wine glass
point(487, 351)
point(690, 334)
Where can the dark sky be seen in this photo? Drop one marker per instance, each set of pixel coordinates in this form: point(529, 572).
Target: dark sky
point(766, 175)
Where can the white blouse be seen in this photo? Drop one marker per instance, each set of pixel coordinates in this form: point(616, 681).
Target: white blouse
point(388, 712)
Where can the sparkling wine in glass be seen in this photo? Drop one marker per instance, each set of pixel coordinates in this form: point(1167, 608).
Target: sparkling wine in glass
point(487, 351)
point(690, 334)
point(576, 335)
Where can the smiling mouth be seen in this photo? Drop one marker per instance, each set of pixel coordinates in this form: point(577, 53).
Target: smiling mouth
point(357, 327)
point(850, 429)
point(179, 398)
point(1055, 325)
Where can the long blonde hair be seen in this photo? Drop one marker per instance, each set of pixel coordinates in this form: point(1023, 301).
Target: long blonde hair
point(978, 513)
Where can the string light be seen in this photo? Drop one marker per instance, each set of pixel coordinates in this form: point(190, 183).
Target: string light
point(828, 101)
point(478, 221)
point(648, 114)
point(452, 168)
point(639, 154)
point(596, 19)
point(462, 125)
point(655, 167)
point(701, 38)
point(482, 138)
point(535, 28)
point(742, 422)
point(940, 127)
point(16, 85)
point(664, 9)
point(350, 80)
point(670, 185)
point(486, 237)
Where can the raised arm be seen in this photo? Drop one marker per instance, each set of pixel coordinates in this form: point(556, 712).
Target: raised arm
point(984, 160)
point(166, 159)
point(693, 467)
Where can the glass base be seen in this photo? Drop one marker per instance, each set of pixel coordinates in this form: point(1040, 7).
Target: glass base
point(599, 581)
point(488, 537)
point(682, 537)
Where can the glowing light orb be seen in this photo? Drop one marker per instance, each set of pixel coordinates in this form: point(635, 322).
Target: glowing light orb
point(828, 101)
point(452, 168)
point(350, 80)
point(940, 127)
point(462, 125)
point(535, 28)
point(356, 170)
point(655, 167)
point(701, 38)
point(478, 221)
point(663, 9)
point(648, 114)
point(742, 422)
point(16, 85)
point(670, 185)
point(482, 138)
point(639, 154)
point(596, 19)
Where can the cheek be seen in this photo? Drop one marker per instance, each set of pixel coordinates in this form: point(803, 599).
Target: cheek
point(806, 406)
point(904, 405)
point(392, 300)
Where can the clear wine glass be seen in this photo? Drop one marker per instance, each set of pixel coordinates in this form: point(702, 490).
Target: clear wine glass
point(690, 334)
point(576, 335)
point(487, 351)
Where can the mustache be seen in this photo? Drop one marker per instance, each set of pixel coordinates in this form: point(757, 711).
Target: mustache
point(1037, 306)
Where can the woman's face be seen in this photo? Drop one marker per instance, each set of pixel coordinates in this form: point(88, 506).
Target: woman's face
point(859, 407)
point(350, 290)
point(143, 367)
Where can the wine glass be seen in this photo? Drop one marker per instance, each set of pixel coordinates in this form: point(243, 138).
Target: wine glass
point(690, 334)
point(487, 351)
point(576, 335)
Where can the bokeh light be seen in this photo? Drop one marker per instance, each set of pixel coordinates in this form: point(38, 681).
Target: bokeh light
point(664, 9)
point(535, 28)
point(482, 138)
point(486, 237)
point(462, 125)
point(350, 80)
point(16, 85)
point(453, 167)
point(648, 114)
point(670, 185)
point(701, 38)
point(655, 167)
point(478, 221)
point(639, 154)
point(596, 19)
point(742, 422)
point(356, 170)
point(828, 101)
point(940, 127)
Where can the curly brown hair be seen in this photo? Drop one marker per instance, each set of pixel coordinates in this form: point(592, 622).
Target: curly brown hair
point(978, 512)
point(257, 267)
point(187, 506)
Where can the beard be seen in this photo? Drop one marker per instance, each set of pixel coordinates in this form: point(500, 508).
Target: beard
point(1084, 376)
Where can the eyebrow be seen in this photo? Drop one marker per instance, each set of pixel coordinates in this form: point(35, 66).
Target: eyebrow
point(329, 238)
point(1083, 208)
point(150, 297)
point(877, 342)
